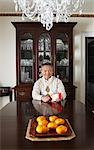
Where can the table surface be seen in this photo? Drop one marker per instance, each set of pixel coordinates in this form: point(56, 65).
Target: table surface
point(13, 126)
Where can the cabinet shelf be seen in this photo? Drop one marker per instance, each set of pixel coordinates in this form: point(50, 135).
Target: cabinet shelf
point(62, 65)
point(43, 51)
point(26, 65)
point(64, 50)
point(26, 50)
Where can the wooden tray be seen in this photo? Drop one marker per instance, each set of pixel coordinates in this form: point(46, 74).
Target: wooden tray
point(50, 133)
point(33, 136)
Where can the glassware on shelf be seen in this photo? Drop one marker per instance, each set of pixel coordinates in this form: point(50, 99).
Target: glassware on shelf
point(26, 62)
point(25, 77)
point(59, 44)
point(57, 76)
point(26, 42)
point(62, 56)
point(64, 62)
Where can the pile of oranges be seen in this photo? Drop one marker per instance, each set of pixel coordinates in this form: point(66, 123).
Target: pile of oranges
point(44, 125)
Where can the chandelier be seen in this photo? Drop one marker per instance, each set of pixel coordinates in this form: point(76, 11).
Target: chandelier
point(48, 11)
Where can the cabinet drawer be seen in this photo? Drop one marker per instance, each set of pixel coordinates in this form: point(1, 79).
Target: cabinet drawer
point(23, 93)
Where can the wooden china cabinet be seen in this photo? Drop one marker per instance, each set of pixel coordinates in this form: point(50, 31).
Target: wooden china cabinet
point(34, 46)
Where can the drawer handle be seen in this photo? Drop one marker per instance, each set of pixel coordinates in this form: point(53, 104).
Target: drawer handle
point(21, 93)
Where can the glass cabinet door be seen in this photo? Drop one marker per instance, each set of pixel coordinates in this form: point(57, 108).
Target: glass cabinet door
point(62, 57)
point(44, 50)
point(26, 58)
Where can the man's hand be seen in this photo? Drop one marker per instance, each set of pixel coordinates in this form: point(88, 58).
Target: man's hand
point(56, 97)
point(46, 98)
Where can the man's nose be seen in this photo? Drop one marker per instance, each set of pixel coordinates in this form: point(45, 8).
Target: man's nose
point(47, 72)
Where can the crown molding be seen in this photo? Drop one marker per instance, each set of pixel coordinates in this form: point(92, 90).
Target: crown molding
point(83, 15)
point(11, 14)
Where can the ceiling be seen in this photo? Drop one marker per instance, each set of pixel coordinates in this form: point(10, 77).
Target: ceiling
point(9, 6)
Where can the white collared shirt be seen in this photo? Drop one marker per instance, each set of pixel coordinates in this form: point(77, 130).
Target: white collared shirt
point(55, 85)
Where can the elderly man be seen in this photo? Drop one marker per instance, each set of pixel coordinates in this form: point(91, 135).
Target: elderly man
point(48, 87)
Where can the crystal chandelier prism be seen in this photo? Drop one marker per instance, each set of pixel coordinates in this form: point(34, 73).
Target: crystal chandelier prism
point(48, 11)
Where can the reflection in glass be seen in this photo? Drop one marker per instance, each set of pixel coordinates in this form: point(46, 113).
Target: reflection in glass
point(62, 57)
point(44, 50)
point(26, 57)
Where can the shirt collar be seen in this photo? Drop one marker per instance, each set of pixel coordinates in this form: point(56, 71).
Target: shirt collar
point(49, 80)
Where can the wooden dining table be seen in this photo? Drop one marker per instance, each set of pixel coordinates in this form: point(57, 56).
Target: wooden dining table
point(14, 123)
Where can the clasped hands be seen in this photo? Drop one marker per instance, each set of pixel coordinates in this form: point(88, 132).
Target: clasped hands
point(46, 98)
point(54, 98)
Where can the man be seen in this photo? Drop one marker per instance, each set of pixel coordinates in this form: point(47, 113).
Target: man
point(48, 88)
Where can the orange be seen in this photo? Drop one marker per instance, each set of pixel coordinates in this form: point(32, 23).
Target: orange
point(40, 118)
point(61, 129)
point(53, 118)
point(52, 125)
point(59, 121)
point(41, 129)
point(43, 122)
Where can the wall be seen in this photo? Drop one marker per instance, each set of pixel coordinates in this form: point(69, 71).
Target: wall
point(8, 52)
point(84, 27)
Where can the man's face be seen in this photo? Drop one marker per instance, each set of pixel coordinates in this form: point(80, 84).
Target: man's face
point(47, 71)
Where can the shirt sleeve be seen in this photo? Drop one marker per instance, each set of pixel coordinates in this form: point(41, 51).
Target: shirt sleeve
point(61, 89)
point(36, 91)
